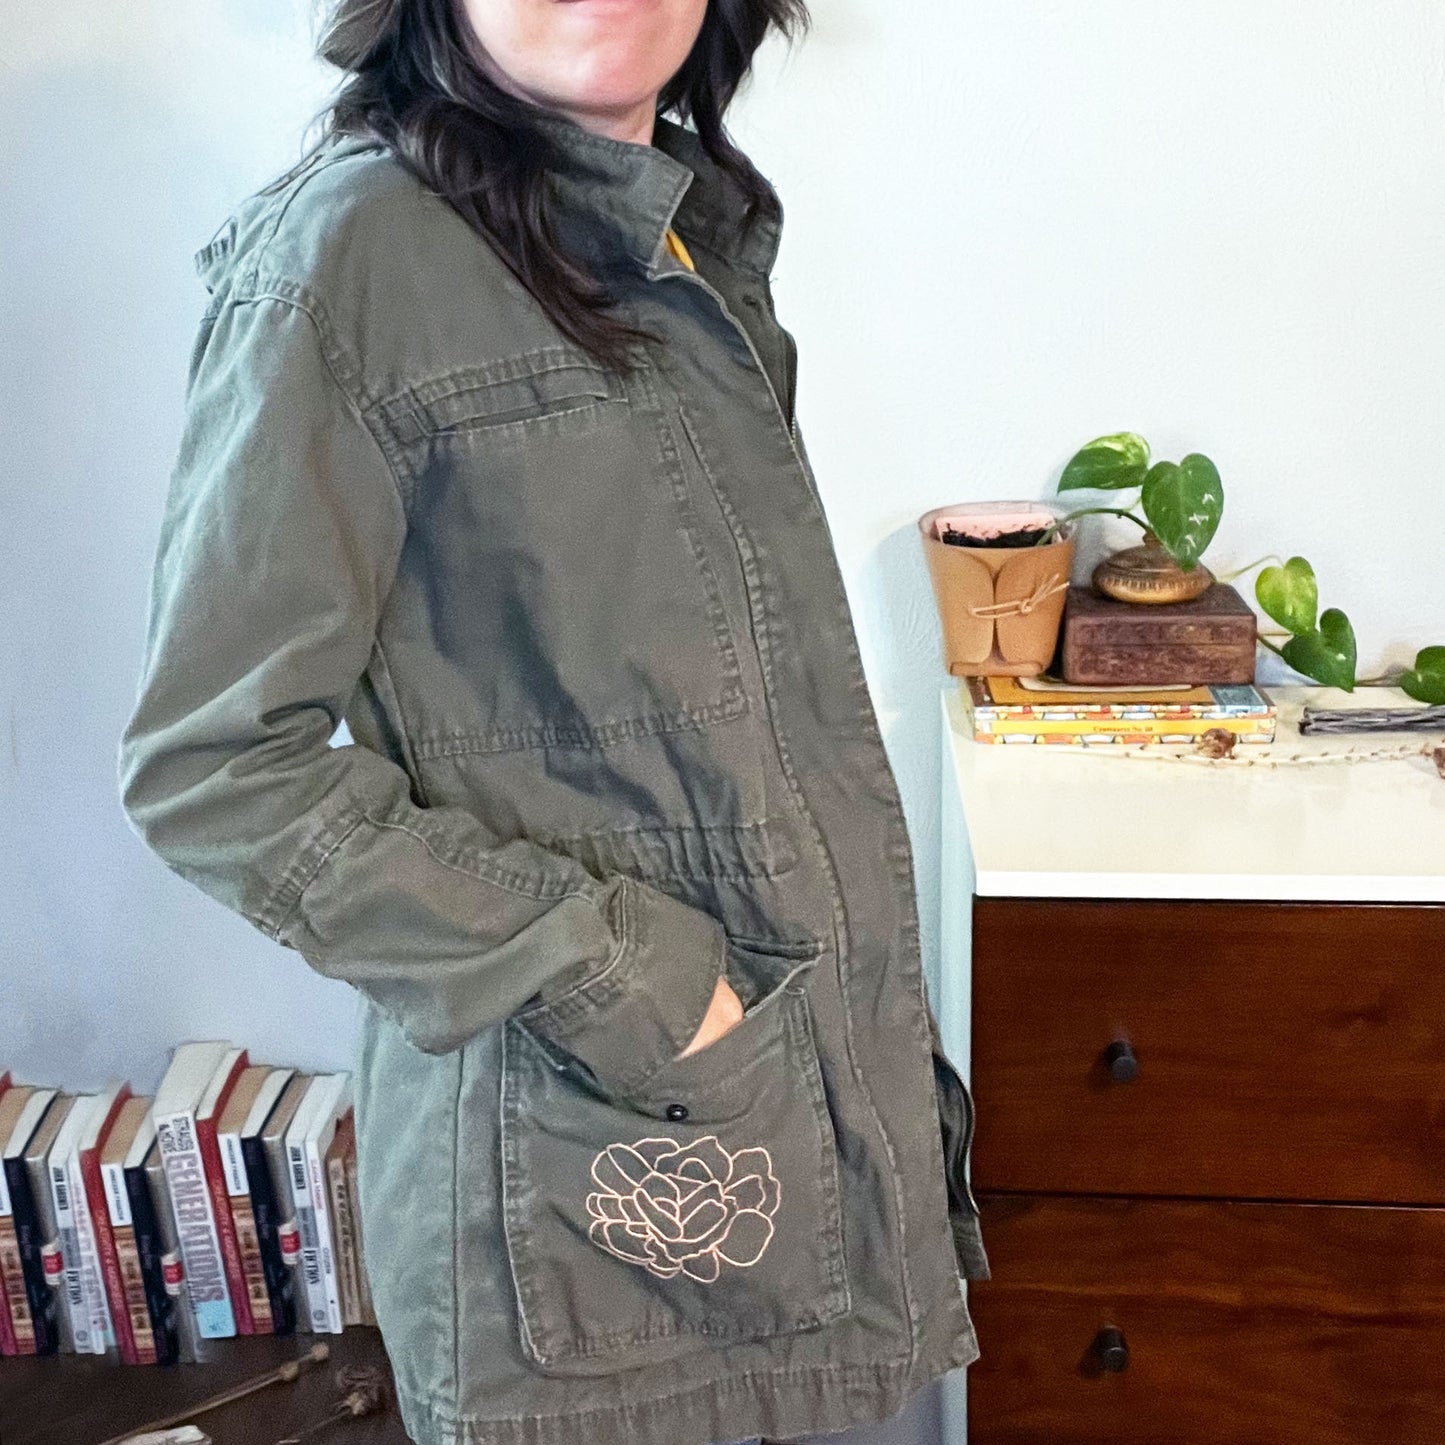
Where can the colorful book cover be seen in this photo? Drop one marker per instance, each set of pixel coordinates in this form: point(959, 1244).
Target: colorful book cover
point(37, 1309)
point(94, 1219)
point(1015, 697)
point(17, 1336)
point(274, 1134)
point(178, 1333)
point(191, 1070)
point(37, 1162)
point(74, 1262)
point(342, 1228)
point(1003, 711)
point(319, 1135)
point(133, 1123)
point(252, 1082)
point(277, 1278)
point(208, 1113)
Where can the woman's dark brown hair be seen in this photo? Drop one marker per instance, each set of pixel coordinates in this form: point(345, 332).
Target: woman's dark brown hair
point(413, 82)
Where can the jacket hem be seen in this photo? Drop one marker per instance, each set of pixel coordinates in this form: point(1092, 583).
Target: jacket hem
point(792, 1401)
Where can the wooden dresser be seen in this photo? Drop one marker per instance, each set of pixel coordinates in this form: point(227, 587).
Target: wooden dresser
point(1207, 1018)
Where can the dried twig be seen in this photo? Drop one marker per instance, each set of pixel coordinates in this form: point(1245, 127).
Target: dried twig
point(282, 1374)
point(366, 1393)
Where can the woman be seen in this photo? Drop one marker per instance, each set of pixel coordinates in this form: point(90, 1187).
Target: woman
point(490, 450)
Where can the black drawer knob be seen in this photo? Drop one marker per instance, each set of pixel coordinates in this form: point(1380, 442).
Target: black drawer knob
point(1120, 1061)
point(1111, 1349)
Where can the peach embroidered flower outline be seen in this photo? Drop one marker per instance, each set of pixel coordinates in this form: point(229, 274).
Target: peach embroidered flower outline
point(686, 1209)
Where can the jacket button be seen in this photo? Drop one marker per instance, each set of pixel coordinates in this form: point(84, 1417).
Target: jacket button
point(677, 1112)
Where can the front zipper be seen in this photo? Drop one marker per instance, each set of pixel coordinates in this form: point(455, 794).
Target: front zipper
point(790, 424)
point(795, 788)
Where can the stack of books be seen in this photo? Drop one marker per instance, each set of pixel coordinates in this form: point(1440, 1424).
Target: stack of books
point(1047, 710)
point(143, 1226)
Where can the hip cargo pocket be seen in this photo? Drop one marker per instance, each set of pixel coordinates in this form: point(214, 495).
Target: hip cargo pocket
point(702, 1210)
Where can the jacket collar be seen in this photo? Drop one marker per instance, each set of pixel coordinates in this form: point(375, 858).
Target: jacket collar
point(637, 191)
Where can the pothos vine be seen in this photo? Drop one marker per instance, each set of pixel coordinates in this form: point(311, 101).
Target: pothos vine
point(1182, 503)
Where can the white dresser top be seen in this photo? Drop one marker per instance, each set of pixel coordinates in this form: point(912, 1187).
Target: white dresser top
point(1049, 821)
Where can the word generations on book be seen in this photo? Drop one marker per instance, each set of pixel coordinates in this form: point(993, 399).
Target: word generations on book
point(1007, 711)
point(142, 1227)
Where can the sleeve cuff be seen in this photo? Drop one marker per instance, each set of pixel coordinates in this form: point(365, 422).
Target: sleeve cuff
point(646, 1003)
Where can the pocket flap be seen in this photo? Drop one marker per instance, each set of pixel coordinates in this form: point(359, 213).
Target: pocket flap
point(516, 388)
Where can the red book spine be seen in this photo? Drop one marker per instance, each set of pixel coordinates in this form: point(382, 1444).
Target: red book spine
point(115, 1297)
point(8, 1345)
point(221, 1205)
point(12, 1278)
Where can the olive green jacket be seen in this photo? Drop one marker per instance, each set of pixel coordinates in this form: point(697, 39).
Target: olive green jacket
point(611, 739)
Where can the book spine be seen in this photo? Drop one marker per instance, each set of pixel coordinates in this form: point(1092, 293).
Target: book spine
point(191, 1346)
point(38, 1300)
point(288, 1232)
point(51, 1257)
point(9, 1261)
point(310, 1244)
point(200, 1246)
point(102, 1332)
point(112, 1284)
point(325, 1241)
point(21, 1337)
point(345, 1240)
point(225, 1226)
point(243, 1221)
point(162, 1309)
point(127, 1289)
point(277, 1273)
point(368, 1311)
point(65, 1259)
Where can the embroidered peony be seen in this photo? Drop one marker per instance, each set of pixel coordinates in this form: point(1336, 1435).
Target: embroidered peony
point(683, 1209)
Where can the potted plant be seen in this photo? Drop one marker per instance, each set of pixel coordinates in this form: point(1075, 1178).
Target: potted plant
point(1000, 571)
point(1182, 504)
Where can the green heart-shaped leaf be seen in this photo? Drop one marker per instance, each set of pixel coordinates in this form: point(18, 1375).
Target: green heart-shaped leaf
point(1109, 463)
point(1183, 504)
point(1326, 653)
point(1289, 594)
point(1426, 680)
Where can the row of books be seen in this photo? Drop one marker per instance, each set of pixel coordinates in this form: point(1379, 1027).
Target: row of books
point(1028, 710)
point(143, 1226)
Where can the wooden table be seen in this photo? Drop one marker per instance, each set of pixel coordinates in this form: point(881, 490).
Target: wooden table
point(82, 1400)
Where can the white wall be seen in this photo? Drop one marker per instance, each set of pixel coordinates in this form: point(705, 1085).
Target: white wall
point(1221, 225)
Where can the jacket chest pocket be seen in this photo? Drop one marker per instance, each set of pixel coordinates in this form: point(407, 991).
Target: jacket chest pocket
point(635, 1234)
point(569, 585)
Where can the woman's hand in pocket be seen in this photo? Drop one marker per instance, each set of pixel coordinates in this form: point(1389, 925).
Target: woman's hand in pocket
point(724, 1012)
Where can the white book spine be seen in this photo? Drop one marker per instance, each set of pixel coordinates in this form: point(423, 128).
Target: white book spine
point(300, 1180)
point(117, 1200)
point(92, 1279)
point(77, 1306)
point(195, 1225)
point(233, 1163)
point(325, 1236)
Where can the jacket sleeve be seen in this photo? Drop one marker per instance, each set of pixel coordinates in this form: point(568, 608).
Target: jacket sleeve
point(280, 537)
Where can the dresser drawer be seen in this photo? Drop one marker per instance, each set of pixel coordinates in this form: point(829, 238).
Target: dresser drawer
point(1243, 1324)
point(1283, 1050)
